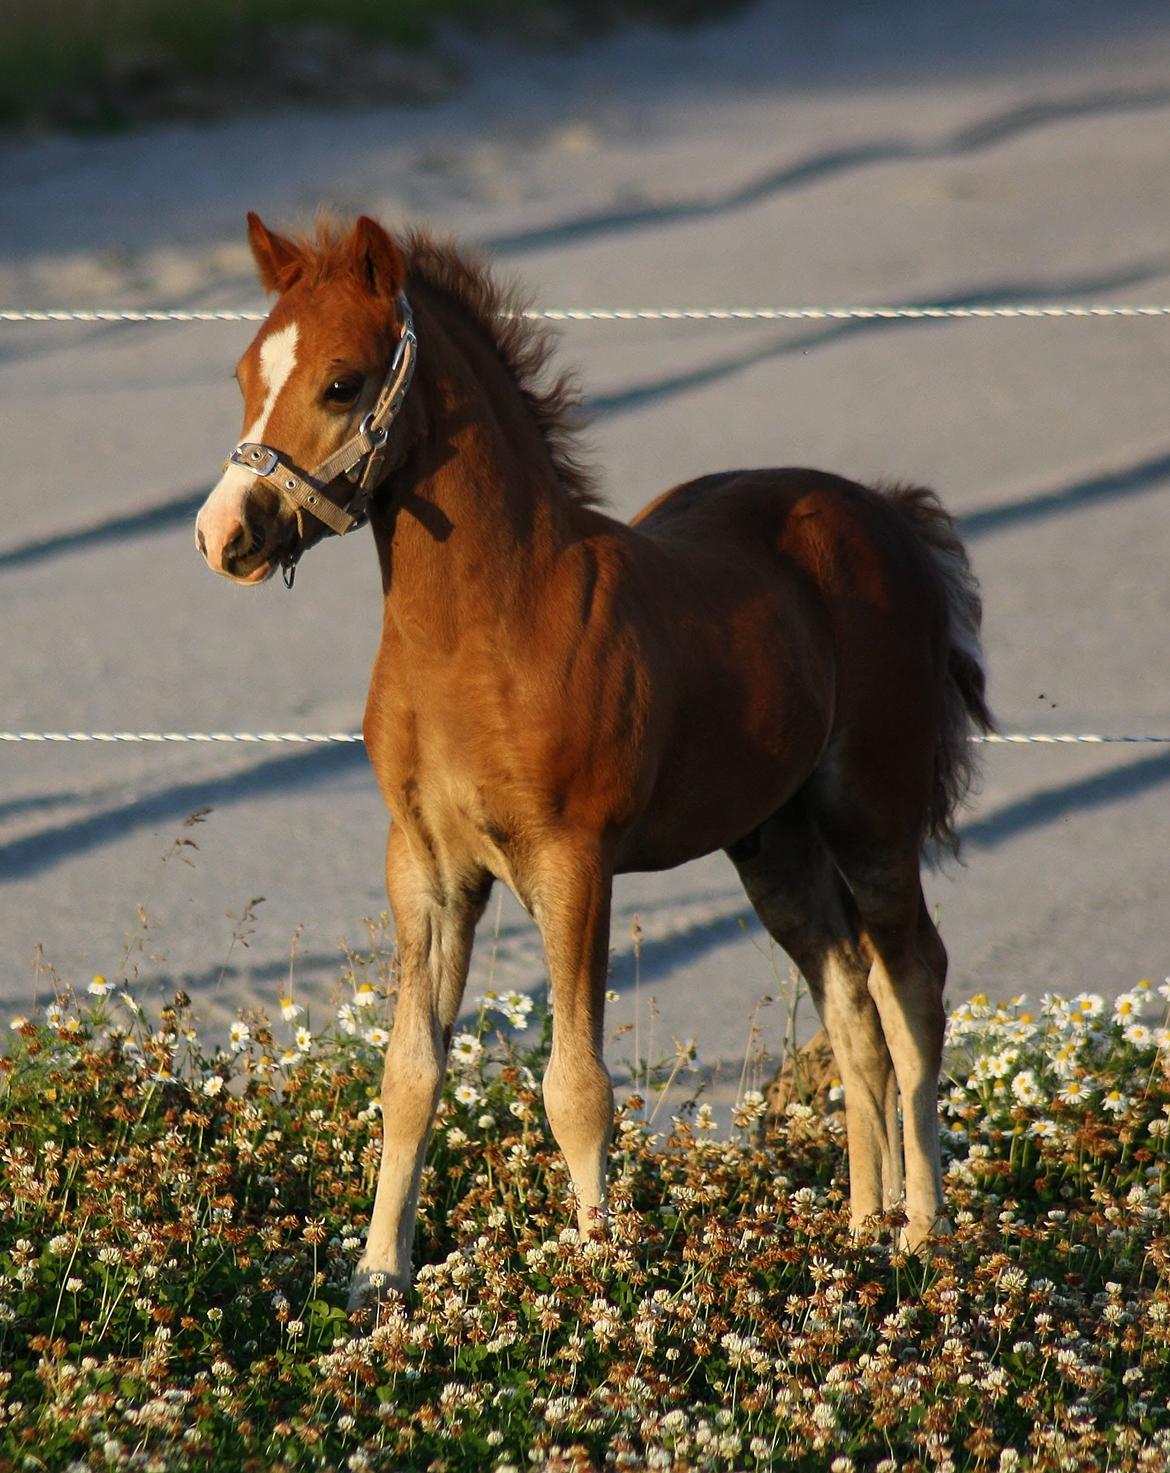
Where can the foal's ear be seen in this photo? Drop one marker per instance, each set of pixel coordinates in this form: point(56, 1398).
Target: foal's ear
point(377, 260)
point(278, 260)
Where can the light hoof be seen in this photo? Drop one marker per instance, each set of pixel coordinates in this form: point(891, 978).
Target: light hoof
point(867, 1229)
point(373, 1287)
point(921, 1237)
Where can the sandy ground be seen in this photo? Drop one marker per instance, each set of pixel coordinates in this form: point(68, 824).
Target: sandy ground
point(880, 154)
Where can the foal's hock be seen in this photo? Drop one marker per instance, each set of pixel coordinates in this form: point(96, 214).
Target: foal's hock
point(778, 663)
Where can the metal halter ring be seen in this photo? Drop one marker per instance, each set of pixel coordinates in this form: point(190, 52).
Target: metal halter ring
point(379, 436)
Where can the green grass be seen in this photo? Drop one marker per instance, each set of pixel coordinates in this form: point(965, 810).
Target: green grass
point(180, 1222)
point(83, 59)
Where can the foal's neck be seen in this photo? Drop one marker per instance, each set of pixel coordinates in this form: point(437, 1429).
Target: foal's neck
point(476, 519)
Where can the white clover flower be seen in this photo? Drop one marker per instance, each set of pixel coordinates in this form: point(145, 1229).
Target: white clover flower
point(365, 996)
point(212, 1085)
point(99, 987)
point(73, 1286)
point(61, 1243)
point(465, 1050)
point(468, 1095)
point(240, 1035)
point(304, 1040)
point(379, 1037)
point(704, 1119)
point(289, 1010)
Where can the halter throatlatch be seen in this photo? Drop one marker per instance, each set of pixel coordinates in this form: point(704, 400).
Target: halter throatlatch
point(359, 461)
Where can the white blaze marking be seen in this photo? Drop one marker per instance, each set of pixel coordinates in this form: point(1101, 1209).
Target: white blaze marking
point(278, 358)
point(223, 507)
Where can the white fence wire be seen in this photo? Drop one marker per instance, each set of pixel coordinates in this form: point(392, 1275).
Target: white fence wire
point(906, 313)
point(1009, 738)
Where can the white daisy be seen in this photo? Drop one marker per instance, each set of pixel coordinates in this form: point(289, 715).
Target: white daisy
point(465, 1050)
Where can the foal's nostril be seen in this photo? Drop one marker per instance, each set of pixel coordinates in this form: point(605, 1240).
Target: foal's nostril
point(234, 544)
point(201, 541)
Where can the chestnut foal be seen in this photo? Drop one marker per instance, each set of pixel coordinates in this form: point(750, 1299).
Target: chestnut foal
point(778, 663)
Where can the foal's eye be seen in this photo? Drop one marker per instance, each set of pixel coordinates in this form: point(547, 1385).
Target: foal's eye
point(343, 390)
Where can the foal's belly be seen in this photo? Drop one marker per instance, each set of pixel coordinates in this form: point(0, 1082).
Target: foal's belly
point(707, 797)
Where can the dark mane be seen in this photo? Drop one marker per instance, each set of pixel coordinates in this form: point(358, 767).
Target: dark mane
point(525, 347)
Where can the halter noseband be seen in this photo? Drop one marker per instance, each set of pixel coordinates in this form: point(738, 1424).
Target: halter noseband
point(358, 461)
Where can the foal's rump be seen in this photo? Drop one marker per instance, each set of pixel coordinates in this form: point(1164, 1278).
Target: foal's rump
point(872, 610)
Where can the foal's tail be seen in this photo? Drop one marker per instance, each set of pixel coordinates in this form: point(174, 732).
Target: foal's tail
point(965, 709)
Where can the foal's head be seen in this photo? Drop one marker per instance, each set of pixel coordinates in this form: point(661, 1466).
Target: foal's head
point(310, 379)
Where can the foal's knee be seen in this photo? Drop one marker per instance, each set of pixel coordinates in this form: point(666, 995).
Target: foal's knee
point(578, 1098)
point(411, 1084)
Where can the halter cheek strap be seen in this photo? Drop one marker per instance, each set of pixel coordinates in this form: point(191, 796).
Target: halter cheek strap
point(359, 461)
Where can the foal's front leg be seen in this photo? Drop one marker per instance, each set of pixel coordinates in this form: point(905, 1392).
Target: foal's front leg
point(435, 933)
point(573, 915)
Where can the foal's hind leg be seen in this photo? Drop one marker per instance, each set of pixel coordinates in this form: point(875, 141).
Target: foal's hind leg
point(801, 898)
point(906, 980)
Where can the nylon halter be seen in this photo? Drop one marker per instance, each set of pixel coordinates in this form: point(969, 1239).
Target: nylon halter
point(359, 461)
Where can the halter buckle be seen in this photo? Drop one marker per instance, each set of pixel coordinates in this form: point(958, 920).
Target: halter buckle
point(258, 459)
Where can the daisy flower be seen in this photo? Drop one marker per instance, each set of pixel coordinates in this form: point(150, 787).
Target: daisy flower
point(240, 1035)
point(465, 1050)
point(289, 1010)
point(379, 1037)
point(1077, 1091)
point(1128, 1007)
